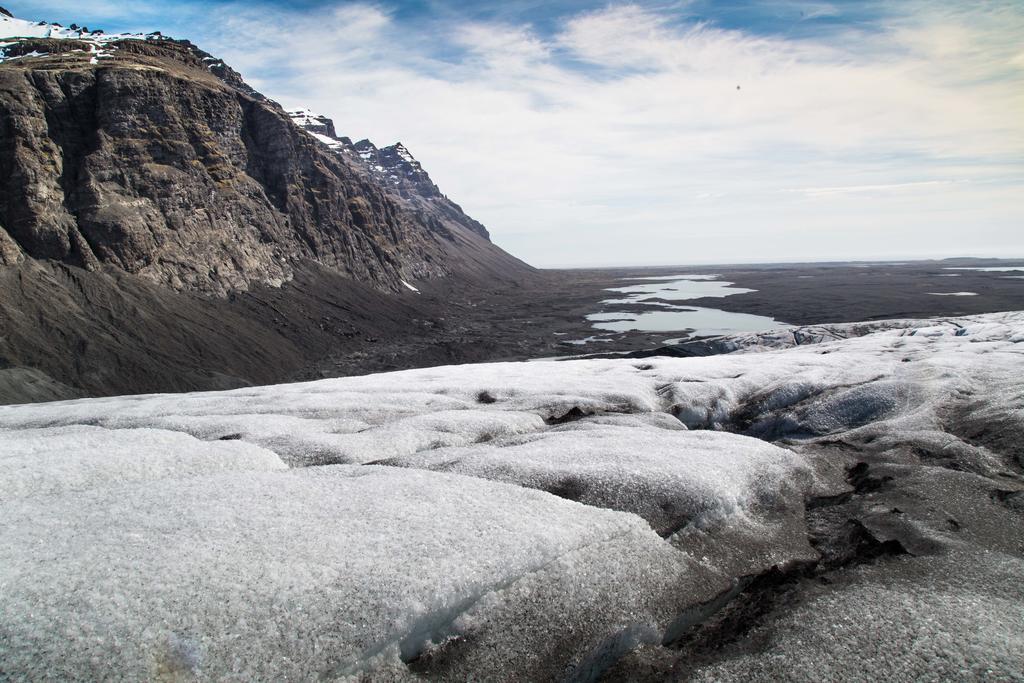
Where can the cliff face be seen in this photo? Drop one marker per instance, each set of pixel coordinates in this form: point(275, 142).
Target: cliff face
point(165, 227)
point(153, 157)
point(395, 169)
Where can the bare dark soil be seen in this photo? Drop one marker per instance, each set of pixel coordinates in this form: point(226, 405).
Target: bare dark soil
point(542, 316)
point(67, 332)
point(807, 294)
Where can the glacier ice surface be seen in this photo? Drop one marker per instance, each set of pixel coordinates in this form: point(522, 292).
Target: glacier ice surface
point(551, 514)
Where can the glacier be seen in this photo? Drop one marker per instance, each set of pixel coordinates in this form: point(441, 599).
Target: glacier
point(824, 502)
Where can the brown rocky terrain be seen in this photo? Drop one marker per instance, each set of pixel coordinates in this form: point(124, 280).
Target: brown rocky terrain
point(148, 160)
point(144, 187)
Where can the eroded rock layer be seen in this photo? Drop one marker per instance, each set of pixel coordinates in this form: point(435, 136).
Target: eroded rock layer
point(163, 226)
point(151, 156)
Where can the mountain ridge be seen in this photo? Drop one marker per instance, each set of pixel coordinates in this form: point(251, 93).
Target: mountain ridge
point(215, 189)
point(166, 227)
point(393, 166)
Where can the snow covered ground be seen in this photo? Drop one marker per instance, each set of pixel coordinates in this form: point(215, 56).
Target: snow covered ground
point(529, 521)
point(13, 30)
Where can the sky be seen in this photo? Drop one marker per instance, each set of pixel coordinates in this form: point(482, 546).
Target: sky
point(671, 132)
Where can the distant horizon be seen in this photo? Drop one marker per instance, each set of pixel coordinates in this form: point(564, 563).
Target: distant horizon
point(585, 132)
point(1011, 260)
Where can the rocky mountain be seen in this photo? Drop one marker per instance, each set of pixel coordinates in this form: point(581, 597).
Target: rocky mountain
point(142, 180)
point(394, 167)
point(152, 156)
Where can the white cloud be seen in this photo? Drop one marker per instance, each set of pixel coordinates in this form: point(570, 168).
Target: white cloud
point(624, 36)
point(873, 189)
point(623, 136)
point(501, 46)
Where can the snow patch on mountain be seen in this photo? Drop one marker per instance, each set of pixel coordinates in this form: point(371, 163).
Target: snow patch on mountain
point(403, 153)
point(393, 165)
point(14, 30)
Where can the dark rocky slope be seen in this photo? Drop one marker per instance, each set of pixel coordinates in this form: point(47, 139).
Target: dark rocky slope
point(144, 187)
point(67, 331)
point(152, 162)
point(393, 167)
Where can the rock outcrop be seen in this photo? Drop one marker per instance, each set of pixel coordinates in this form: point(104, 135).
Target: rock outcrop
point(395, 168)
point(151, 156)
point(165, 227)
